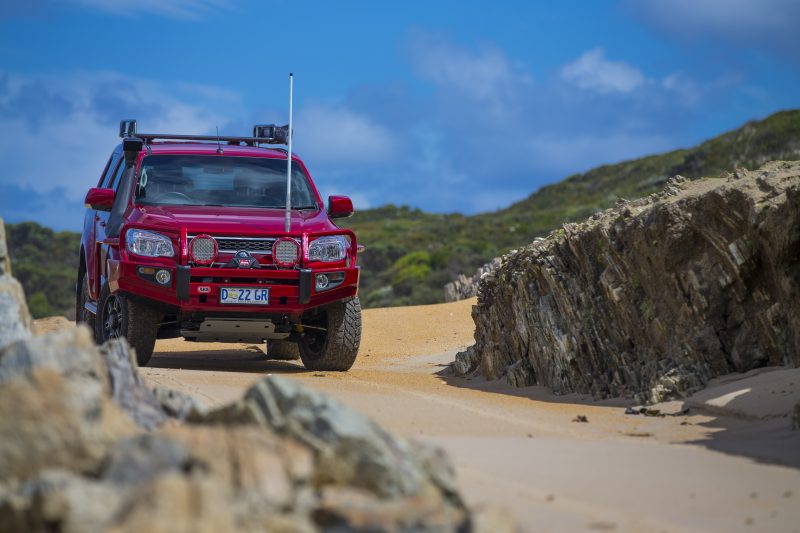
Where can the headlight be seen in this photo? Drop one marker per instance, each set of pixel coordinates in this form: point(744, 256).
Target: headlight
point(328, 249)
point(148, 243)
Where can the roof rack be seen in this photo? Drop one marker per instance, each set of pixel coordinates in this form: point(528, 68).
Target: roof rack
point(262, 134)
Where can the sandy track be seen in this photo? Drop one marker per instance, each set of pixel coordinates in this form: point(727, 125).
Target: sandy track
point(520, 447)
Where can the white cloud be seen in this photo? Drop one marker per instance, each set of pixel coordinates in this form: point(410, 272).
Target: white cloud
point(174, 9)
point(487, 76)
point(768, 25)
point(488, 132)
point(338, 136)
point(57, 132)
point(723, 16)
point(684, 86)
point(594, 72)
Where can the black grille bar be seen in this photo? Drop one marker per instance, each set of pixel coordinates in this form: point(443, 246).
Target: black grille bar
point(249, 245)
point(182, 276)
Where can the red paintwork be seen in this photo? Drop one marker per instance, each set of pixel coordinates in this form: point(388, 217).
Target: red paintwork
point(131, 283)
point(99, 199)
point(245, 221)
point(109, 259)
point(340, 207)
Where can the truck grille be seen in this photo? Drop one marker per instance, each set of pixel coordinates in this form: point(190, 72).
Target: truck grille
point(236, 244)
point(259, 245)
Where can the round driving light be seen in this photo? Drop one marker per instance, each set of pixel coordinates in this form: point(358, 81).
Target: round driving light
point(203, 249)
point(285, 252)
point(163, 277)
point(321, 282)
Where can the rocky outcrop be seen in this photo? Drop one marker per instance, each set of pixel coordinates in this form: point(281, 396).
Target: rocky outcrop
point(86, 445)
point(350, 448)
point(65, 402)
point(15, 320)
point(464, 287)
point(652, 298)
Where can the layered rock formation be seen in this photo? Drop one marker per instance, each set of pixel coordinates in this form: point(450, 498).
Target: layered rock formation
point(652, 298)
point(86, 445)
point(464, 287)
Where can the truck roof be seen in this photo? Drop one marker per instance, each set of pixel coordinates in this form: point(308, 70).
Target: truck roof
point(207, 148)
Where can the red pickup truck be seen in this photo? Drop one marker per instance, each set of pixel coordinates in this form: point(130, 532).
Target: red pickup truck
point(189, 236)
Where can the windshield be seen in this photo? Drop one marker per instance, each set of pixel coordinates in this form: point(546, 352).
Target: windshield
point(221, 181)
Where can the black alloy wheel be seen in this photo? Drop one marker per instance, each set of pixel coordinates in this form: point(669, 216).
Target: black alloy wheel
point(315, 334)
point(112, 318)
point(119, 316)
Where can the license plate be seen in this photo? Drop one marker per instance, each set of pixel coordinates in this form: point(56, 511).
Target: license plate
point(244, 295)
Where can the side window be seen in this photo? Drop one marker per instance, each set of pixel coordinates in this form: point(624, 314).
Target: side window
point(117, 176)
point(108, 174)
point(104, 175)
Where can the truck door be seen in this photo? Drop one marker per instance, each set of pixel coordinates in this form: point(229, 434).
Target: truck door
point(99, 221)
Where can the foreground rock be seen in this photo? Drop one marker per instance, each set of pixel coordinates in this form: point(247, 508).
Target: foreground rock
point(86, 445)
point(351, 449)
point(653, 298)
point(15, 320)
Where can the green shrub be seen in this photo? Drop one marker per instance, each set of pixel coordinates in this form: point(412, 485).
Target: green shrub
point(39, 306)
point(46, 264)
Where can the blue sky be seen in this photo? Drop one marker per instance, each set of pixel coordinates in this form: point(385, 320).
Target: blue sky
point(448, 106)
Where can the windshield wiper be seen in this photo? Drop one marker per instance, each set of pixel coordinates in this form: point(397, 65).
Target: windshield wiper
point(299, 208)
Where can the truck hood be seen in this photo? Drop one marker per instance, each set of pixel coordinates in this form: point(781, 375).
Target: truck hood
point(227, 220)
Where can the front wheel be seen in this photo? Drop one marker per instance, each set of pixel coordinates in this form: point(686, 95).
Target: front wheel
point(118, 316)
point(331, 336)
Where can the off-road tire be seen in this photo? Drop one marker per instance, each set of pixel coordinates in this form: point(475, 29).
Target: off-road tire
point(335, 349)
point(82, 316)
point(137, 322)
point(281, 350)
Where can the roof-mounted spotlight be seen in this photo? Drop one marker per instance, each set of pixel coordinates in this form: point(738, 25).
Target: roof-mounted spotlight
point(270, 133)
point(127, 128)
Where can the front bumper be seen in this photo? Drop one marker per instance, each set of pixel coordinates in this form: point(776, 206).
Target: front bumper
point(197, 289)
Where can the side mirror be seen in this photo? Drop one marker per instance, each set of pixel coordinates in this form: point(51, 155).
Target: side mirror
point(100, 199)
point(340, 207)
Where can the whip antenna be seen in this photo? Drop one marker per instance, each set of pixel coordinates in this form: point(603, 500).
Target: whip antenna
point(289, 163)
